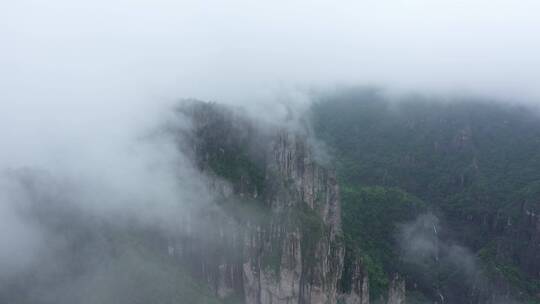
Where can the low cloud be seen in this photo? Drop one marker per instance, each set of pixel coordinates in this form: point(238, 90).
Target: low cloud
point(442, 267)
point(86, 86)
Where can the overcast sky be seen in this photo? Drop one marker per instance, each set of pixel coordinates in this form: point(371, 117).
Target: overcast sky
point(65, 51)
point(84, 73)
point(88, 73)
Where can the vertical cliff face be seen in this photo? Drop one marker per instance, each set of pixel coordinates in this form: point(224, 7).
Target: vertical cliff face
point(530, 230)
point(308, 209)
point(276, 235)
point(297, 256)
point(396, 291)
point(356, 290)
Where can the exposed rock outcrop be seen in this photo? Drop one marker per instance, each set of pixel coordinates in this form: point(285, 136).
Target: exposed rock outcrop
point(530, 230)
point(280, 237)
point(296, 257)
point(357, 289)
point(396, 291)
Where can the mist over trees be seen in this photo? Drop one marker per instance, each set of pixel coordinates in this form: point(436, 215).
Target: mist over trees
point(471, 162)
point(406, 132)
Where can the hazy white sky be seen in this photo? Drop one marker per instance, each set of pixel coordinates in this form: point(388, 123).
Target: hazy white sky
point(89, 73)
point(73, 52)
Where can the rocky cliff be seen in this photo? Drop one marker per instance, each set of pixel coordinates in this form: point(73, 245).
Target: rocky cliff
point(276, 234)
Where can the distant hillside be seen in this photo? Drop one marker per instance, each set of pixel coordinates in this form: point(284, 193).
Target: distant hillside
point(473, 163)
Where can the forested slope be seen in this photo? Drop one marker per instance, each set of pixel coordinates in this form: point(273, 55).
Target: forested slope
point(473, 163)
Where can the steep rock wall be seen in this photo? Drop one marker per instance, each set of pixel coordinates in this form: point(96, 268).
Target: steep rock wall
point(287, 247)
